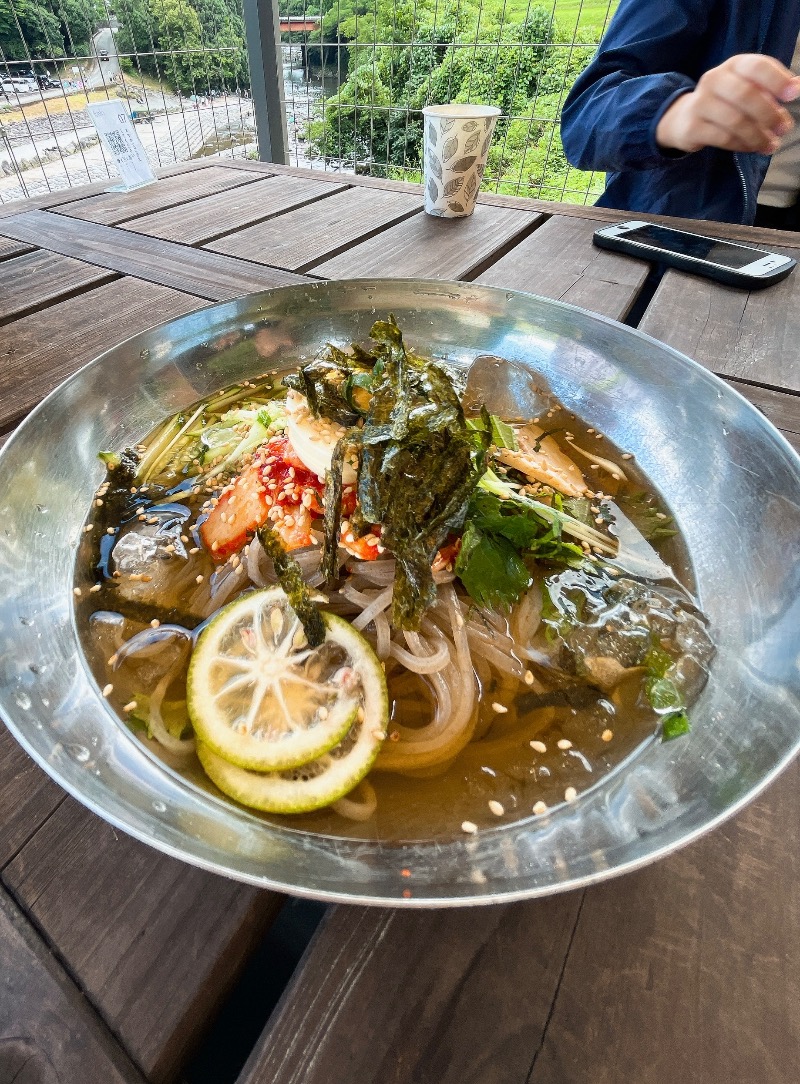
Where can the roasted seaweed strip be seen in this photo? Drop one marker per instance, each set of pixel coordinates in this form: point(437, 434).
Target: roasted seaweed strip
point(290, 577)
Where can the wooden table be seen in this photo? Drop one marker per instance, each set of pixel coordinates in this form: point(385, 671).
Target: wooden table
point(115, 960)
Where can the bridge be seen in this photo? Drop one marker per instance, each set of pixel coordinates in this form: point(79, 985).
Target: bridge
point(298, 24)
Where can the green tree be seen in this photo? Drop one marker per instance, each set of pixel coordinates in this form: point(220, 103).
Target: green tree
point(29, 29)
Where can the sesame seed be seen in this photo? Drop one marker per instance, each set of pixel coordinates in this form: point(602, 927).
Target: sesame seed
point(323, 713)
point(108, 689)
point(469, 828)
point(98, 503)
point(661, 515)
point(564, 743)
point(154, 624)
point(111, 530)
point(528, 677)
point(88, 527)
point(113, 660)
point(627, 455)
point(198, 579)
point(196, 549)
point(616, 477)
point(607, 735)
point(501, 709)
point(96, 587)
point(360, 715)
point(130, 706)
point(538, 746)
point(539, 808)
point(497, 808)
point(184, 538)
point(590, 430)
point(76, 592)
point(570, 794)
point(379, 734)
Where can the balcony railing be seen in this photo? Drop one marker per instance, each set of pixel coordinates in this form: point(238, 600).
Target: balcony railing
point(325, 84)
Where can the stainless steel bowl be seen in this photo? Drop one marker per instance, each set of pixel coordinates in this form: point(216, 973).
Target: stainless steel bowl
point(731, 480)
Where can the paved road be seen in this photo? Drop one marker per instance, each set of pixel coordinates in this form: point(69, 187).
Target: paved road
point(100, 72)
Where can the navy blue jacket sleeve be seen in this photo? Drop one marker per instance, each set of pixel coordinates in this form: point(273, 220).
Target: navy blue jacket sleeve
point(611, 114)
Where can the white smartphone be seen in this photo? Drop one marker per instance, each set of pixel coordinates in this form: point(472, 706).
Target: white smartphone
point(733, 264)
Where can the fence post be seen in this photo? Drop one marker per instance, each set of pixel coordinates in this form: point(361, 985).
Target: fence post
point(266, 78)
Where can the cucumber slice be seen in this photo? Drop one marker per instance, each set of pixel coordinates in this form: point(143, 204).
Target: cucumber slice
point(260, 698)
point(308, 786)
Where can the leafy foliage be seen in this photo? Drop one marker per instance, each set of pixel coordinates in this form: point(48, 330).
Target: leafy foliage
point(524, 64)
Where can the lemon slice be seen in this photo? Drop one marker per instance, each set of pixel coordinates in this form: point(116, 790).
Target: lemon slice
point(261, 698)
point(308, 786)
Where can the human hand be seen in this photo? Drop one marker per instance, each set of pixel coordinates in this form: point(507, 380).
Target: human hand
point(736, 107)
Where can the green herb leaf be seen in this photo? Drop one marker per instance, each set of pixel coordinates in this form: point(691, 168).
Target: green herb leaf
point(491, 569)
point(501, 433)
point(675, 725)
point(647, 516)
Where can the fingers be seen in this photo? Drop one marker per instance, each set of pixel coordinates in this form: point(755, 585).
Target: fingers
point(767, 73)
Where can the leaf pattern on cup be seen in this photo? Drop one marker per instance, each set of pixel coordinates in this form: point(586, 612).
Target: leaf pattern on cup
point(447, 124)
point(453, 186)
point(449, 149)
point(432, 133)
point(470, 126)
point(434, 165)
point(463, 164)
point(471, 187)
point(487, 124)
point(457, 207)
point(433, 190)
point(437, 211)
point(479, 171)
point(485, 147)
point(472, 142)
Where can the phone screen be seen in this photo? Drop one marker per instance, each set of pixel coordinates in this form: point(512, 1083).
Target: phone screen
point(702, 248)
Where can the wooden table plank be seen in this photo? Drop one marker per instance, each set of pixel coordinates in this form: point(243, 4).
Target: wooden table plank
point(37, 352)
point(451, 997)
point(59, 196)
point(558, 260)
point(48, 1033)
point(195, 271)
point(37, 279)
point(752, 336)
point(112, 207)
point(301, 238)
point(155, 943)
point(687, 970)
point(9, 248)
point(437, 248)
point(27, 797)
point(212, 216)
point(782, 409)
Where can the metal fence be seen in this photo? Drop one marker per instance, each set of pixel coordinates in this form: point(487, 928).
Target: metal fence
point(342, 88)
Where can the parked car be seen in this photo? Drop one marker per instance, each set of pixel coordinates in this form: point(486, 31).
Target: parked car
point(103, 54)
point(16, 86)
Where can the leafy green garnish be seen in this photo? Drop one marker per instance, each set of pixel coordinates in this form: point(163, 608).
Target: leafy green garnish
point(647, 516)
point(173, 714)
point(419, 461)
point(499, 534)
point(663, 694)
point(290, 577)
point(501, 433)
point(675, 725)
point(491, 569)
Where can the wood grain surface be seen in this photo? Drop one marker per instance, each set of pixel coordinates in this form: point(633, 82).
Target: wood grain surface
point(9, 248)
point(205, 274)
point(38, 351)
point(112, 207)
point(558, 260)
point(30, 282)
point(436, 997)
point(48, 1032)
point(752, 336)
point(435, 248)
point(302, 238)
point(156, 944)
point(232, 210)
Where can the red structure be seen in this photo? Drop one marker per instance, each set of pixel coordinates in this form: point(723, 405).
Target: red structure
point(298, 24)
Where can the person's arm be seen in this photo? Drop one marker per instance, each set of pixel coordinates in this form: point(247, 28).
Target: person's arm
point(610, 117)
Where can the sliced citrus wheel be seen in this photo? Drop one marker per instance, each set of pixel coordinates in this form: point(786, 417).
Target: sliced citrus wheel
point(261, 698)
point(308, 786)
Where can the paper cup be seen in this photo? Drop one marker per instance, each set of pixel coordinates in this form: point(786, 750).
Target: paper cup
point(456, 143)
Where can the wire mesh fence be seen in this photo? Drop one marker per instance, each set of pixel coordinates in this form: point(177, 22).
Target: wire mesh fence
point(178, 66)
point(355, 77)
point(359, 72)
